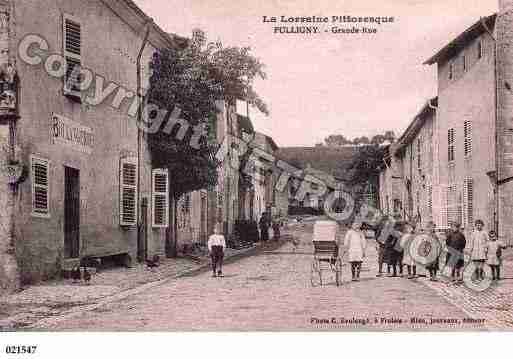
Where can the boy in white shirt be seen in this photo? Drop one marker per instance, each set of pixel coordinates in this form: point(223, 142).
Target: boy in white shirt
point(216, 245)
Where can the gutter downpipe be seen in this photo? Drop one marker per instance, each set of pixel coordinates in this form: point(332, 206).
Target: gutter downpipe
point(139, 120)
point(436, 161)
point(496, 181)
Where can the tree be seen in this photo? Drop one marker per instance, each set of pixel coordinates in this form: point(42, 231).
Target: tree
point(390, 136)
point(336, 141)
point(364, 140)
point(193, 78)
point(364, 168)
point(378, 140)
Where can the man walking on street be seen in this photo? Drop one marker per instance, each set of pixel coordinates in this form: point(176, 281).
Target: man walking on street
point(216, 246)
point(264, 227)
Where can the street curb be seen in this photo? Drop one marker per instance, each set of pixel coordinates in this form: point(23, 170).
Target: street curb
point(48, 323)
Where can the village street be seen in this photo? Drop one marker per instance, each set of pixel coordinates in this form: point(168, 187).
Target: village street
point(271, 291)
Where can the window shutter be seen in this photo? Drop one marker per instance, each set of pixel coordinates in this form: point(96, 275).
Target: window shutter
point(467, 129)
point(72, 48)
point(160, 198)
point(468, 195)
point(128, 192)
point(450, 141)
point(40, 187)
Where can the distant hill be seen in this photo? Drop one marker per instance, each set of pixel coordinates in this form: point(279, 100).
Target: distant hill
point(332, 160)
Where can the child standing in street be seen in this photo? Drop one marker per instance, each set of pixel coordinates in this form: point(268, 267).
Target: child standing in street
point(435, 250)
point(355, 243)
point(405, 245)
point(493, 255)
point(455, 244)
point(478, 250)
point(216, 246)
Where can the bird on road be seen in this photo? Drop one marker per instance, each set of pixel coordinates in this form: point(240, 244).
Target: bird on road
point(87, 276)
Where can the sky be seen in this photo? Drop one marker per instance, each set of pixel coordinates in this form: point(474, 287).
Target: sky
point(327, 83)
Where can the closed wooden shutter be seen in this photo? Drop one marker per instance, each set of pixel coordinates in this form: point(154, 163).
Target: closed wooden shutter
point(40, 187)
point(450, 141)
point(128, 192)
point(468, 199)
point(467, 129)
point(160, 198)
point(72, 46)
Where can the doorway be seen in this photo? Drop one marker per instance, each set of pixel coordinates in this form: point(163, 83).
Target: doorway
point(142, 243)
point(71, 212)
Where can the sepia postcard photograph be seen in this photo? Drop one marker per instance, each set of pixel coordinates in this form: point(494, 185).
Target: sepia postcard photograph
point(332, 166)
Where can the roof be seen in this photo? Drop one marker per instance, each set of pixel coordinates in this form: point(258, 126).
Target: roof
point(463, 39)
point(415, 126)
point(137, 19)
point(271, 142)
point(328, 179)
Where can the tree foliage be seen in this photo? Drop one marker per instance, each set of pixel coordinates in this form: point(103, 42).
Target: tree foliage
point(364, 167)
point(341, 140)
point(193, 77)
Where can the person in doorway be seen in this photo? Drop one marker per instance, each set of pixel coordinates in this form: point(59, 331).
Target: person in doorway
point(479, 242)
point(456, 244)
point(355, 244)
point(494, 255)
point(216, 246)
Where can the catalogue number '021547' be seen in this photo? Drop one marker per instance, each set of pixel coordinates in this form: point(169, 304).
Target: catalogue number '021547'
point(20, 349)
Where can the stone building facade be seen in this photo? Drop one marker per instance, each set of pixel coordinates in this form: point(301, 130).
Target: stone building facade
point(466, 126)
point(504, 166)
point(413, 178)
point(469, 167)
point(88, 180)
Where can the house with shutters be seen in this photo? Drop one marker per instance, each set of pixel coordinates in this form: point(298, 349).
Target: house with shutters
point(415, 179)
point(465, 128)
point(467, 166)
point(87, 188)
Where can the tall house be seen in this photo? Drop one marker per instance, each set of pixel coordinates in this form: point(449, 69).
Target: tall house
point(504, 177)
point(416, 155)
point(465, 134)
point(69, 84)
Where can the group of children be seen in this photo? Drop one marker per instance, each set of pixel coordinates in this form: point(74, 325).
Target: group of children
point(397, 251)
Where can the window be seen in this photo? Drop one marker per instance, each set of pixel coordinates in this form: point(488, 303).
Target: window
point(450, 141)
point(451, 71)
point(40, 187)
point(160, 198)
point(467, 131)
point(128, 191)
point(468, 197)
point(479, 50)
point(464, 58)
point(72, 49)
